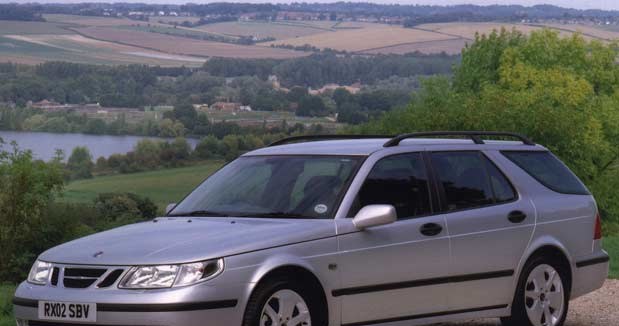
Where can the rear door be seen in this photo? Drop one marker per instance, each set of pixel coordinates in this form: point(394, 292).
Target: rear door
point(490, 225)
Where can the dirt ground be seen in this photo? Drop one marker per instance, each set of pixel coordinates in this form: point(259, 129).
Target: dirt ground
point(600, 308)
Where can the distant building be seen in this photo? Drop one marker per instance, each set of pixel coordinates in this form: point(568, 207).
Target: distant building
point(225, 106)
point(353, 89)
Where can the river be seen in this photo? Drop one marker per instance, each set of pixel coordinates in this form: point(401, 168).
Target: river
point(44, 145)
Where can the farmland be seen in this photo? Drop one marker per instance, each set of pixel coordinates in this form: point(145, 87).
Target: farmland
point(369, 38)
point(262, 30)
point(162, 41)
point(186, 46)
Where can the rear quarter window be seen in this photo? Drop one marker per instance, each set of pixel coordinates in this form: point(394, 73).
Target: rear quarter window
point(548, 170)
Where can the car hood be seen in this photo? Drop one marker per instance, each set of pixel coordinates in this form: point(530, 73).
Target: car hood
point(181, 240)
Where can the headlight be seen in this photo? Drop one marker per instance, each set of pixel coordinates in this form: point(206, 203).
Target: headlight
point(157, 277)
point(39, 273)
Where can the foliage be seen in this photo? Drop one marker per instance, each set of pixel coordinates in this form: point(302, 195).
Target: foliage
point(80, 164)
point(562, 92)
point(317, 70)
point(27, 188)
point(611, 244)
point(312, 106)
point(115, 209)
point(6, 305)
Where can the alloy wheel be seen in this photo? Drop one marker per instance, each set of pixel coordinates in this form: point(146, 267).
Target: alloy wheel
point(544, 296)
point(285, 308)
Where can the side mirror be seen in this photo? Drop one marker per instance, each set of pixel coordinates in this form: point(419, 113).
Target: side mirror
point(374, 215)
point(169, 208)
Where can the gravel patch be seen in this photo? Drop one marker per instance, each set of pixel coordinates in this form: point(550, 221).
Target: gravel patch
point(600, 308)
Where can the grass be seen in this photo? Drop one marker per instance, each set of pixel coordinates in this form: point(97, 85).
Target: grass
point(6, 307)
point(611, 244)
point(161, 186)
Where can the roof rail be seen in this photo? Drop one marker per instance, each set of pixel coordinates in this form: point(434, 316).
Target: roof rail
point(473, 135)
point(324, 137)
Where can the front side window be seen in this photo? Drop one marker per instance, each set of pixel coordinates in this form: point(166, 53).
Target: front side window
point(273, 186)
point(400, 181)
point(470, 180)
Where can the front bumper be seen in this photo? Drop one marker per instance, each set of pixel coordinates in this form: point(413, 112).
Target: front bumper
point(195, 305)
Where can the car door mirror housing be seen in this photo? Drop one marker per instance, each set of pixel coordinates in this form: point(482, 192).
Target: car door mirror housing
point(169, 208)
point(375, 215)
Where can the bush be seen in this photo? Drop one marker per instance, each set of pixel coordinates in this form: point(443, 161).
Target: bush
point(115, 209)
point(27, 187)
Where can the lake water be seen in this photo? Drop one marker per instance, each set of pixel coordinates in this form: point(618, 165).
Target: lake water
point(43, 145)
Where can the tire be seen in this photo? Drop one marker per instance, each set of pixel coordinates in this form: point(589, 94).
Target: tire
point(293, 303)
point(542, 296)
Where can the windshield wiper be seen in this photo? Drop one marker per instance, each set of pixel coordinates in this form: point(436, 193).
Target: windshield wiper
point(201, 213)
point(277, 215)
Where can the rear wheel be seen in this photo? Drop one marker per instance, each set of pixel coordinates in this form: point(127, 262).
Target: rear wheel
point(542, 298)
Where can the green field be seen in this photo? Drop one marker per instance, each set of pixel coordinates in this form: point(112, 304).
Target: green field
point(161, 186)
point(611, 244)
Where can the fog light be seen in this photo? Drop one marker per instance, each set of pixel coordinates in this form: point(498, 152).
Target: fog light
point(21, 322)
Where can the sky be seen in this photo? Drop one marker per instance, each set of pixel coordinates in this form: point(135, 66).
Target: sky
point(579, 4)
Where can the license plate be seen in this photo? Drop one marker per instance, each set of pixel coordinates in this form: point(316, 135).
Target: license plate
point(68, 311)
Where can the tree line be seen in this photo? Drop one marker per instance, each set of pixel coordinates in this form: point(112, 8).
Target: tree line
point(562, 92)
point(325, 11)
point(138, 86)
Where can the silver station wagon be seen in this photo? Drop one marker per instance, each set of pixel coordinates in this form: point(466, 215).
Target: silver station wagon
point(342, 230)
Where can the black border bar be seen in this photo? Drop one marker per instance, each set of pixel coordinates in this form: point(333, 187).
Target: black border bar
point(601, 259)
point(418, 283)
point(158, 307)
point(428, 315)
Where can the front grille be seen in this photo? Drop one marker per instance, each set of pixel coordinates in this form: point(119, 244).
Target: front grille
point(111, 278)
point(84, 277)
point(47, 323)
point(55, 273)
point(81, 278)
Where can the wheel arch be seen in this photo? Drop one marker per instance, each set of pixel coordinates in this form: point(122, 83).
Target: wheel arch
point(295, 271)
point(551, 248)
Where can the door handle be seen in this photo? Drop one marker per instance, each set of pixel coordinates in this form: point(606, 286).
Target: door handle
point(516, 216)
point(430, 229)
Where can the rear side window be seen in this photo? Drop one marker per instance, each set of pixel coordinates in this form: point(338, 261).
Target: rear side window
point(548, 170)
point(470, 180)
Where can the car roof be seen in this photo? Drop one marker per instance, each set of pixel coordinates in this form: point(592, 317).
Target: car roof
point(365, 147)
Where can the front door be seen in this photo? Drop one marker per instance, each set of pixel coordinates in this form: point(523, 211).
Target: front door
point(396, 271)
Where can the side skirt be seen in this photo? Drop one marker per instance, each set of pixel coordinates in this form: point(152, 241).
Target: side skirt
point(480, 312)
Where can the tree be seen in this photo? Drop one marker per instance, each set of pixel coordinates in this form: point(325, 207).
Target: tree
point(208, 147)
point(95, 126)
point(186, 114)
point(80, 163)
point(147, 153)
point(27, 187)
point(312, 106)
point(562, 92)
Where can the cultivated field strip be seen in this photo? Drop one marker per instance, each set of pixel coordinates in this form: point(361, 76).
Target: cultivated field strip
point(263, 30)
point(359, 40)
point(183, 46)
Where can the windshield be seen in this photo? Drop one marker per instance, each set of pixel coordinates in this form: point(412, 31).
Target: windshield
point(273, 187)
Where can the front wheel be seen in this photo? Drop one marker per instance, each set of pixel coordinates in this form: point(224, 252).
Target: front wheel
point(542, 297)
point(283, 302)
